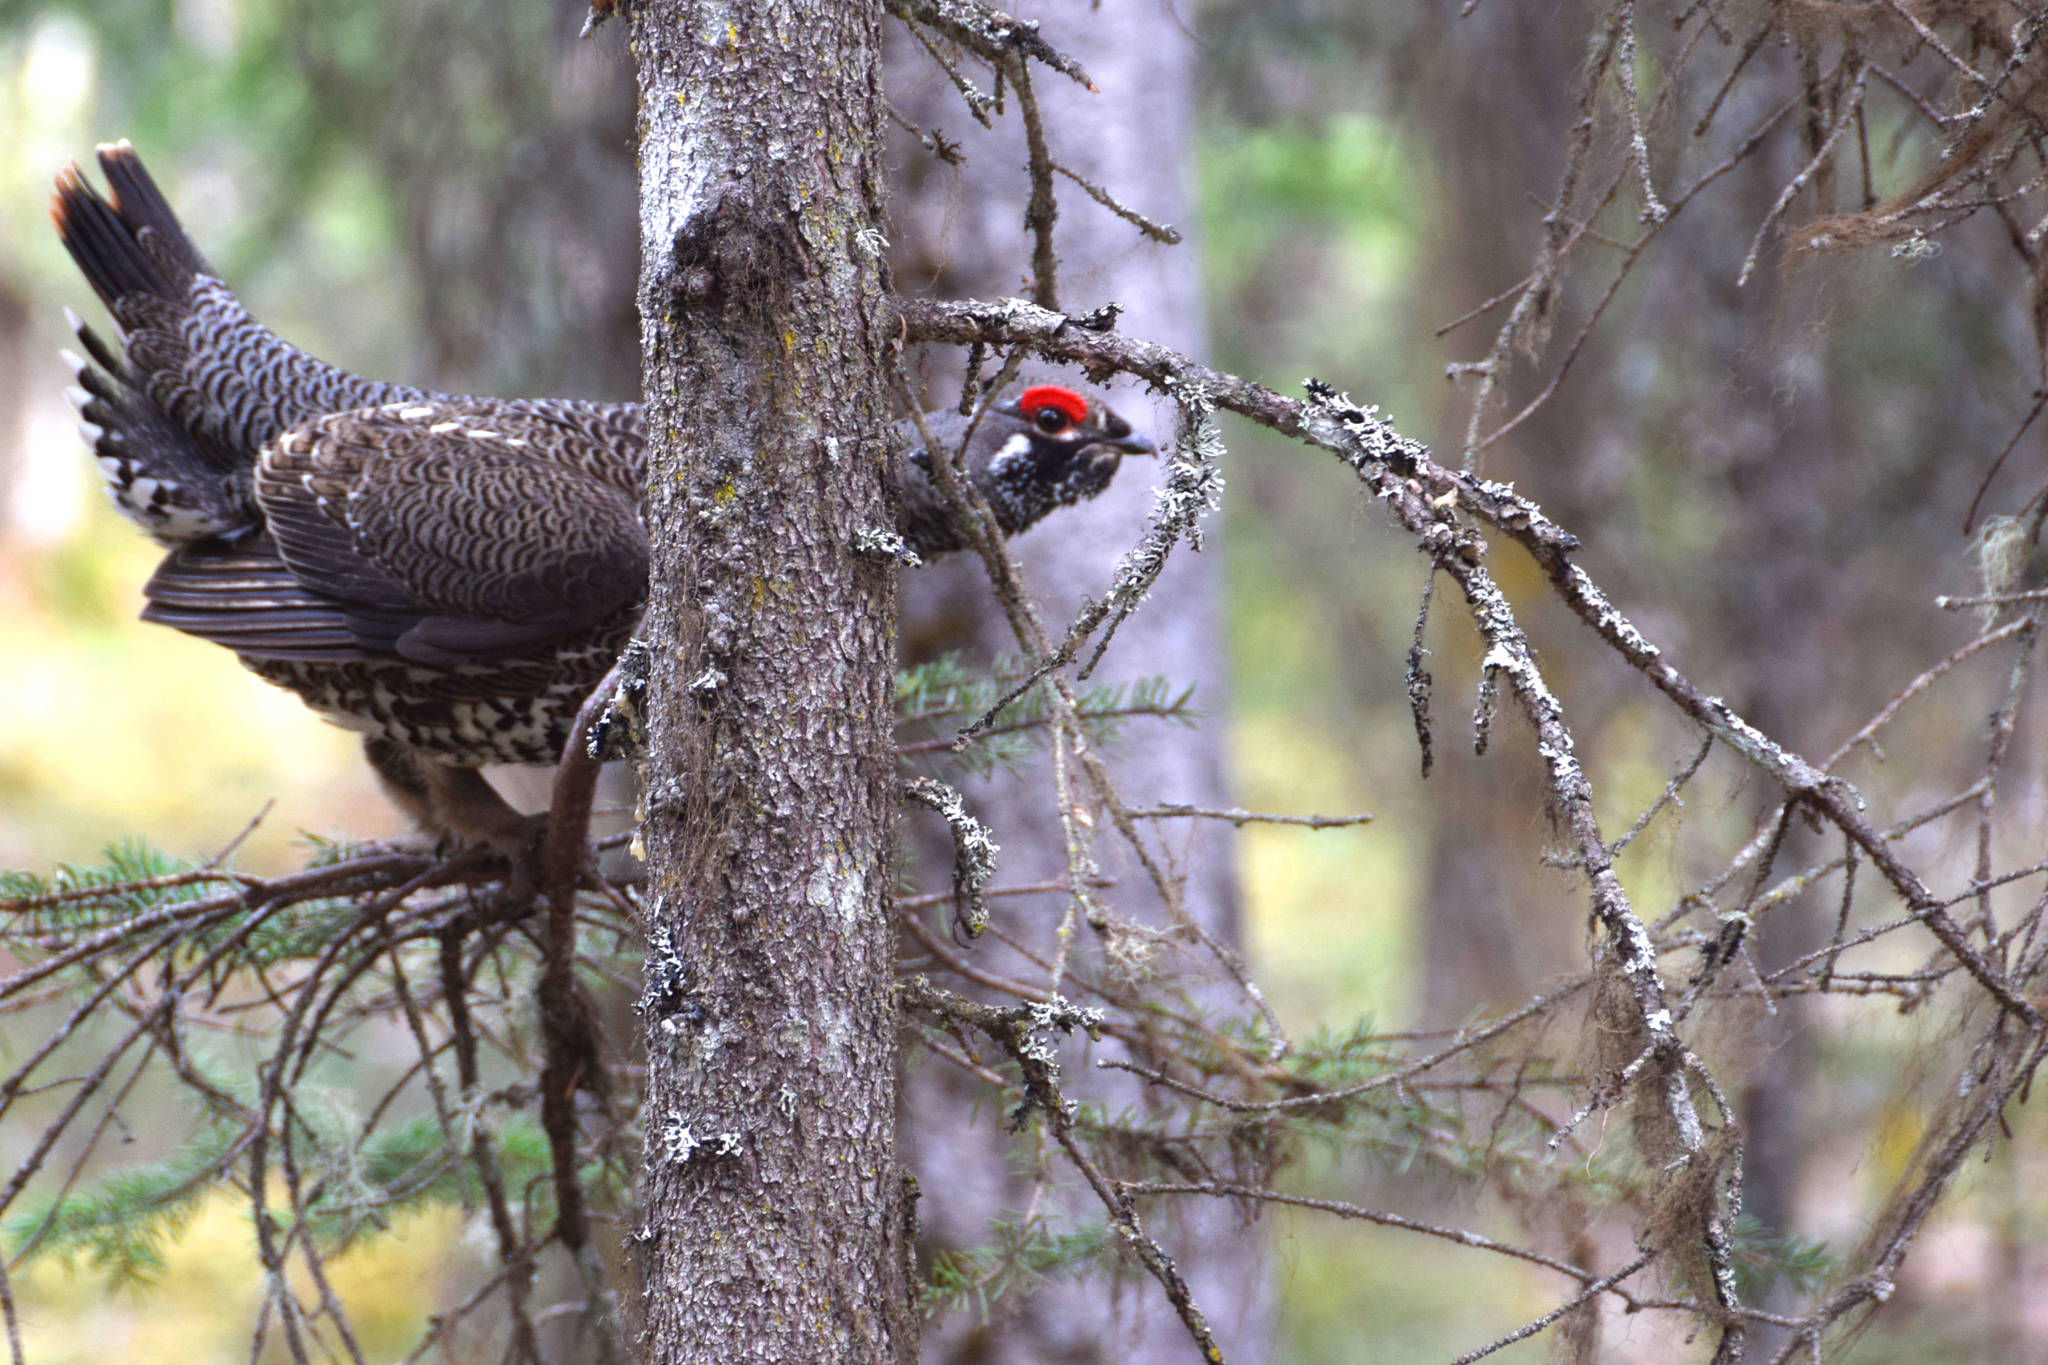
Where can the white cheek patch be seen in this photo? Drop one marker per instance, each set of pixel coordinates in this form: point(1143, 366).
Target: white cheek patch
point(1014, 453)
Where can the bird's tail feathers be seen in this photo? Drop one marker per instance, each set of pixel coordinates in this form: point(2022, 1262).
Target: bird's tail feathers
point(129, 245)
point(137, 404)
point(179, 412)
point(157, 474)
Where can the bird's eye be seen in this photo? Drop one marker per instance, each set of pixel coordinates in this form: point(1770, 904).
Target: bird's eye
point(1051, 420)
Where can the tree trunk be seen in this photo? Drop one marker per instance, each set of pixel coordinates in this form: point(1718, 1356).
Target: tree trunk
point(775, 1225)
point(962, 232)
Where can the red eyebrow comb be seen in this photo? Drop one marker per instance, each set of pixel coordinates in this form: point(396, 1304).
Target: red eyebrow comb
point(1066, 402)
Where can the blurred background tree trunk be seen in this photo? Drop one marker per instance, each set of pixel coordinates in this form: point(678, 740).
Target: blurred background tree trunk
point(509, 157)
point(1511, 85)
point(959, 232)
point(1733, 471)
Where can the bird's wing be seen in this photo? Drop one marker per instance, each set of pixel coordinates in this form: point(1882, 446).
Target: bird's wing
point(435, 532)
point(242, 595)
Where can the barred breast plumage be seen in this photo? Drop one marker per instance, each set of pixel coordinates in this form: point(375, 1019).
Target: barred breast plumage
point(448, 575)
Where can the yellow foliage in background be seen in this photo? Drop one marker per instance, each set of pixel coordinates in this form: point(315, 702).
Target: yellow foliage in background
point(204, 1307)
point(125, 729)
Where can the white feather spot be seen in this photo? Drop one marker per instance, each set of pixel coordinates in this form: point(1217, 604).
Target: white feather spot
point(440, 427)
point(183, 523)
point(417, 411)
point(1018, 447)
point(73, 359)
point(78, 397)
point(482, 434)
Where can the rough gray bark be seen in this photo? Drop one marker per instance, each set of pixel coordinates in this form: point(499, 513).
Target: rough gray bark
point(962, 232)
point(774, 1211)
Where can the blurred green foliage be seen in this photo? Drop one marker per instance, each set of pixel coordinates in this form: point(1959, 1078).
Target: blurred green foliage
point(120, 1227)
point(1015, 1259)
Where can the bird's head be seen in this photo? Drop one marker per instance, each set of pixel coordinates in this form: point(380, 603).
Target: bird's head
point(1049, 447)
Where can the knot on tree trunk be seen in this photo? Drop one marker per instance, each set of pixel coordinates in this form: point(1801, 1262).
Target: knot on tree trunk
point(739, 260)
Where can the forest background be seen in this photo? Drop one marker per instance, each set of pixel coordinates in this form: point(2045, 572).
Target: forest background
point(1773, 479)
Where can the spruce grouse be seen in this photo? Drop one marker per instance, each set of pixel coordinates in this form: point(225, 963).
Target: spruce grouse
point(449, 575)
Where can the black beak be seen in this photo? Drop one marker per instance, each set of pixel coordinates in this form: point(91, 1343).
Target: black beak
point(1117, 435)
